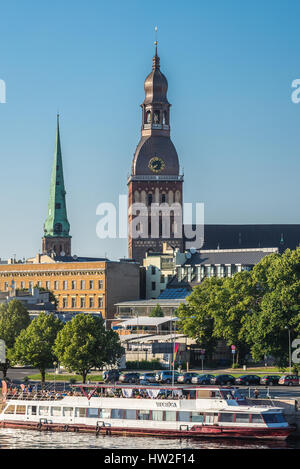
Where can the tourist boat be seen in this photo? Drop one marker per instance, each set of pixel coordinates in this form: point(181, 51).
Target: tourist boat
point(164, 411)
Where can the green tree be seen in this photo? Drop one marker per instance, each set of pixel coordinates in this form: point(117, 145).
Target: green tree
point(14, 317)
point(278, 280)
point(34, 345)
point(196, 316)
point(156, 312)
point(84, 344)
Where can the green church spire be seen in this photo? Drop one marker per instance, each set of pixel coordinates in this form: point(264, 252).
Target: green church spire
point(56, 224)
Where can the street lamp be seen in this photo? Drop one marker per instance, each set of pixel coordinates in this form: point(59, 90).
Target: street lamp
point(290, 355)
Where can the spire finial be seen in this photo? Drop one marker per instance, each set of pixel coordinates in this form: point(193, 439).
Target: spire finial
point(155, 64)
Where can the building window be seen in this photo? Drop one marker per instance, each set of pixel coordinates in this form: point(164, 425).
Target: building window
point(153, 270)
point(153, 285)
point(5, 286)
point(100, 284)
point(47, 285)
point(30, 285)
point(56, 285)
point(163, 198)
point(162, 279)
point(22, 285)
point(82, 284)
point(91, 284)
point(73, 302)
point(65, 302)
point(82, 302)
point(65, 285)
point(39, 284)
point(91, 302)
point(100, 302)
point(73, 285)
point(150, 198)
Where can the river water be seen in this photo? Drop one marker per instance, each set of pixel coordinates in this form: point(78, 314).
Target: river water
point(26, 439)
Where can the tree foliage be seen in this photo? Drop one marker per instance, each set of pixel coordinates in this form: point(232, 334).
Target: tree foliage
point(34, 345)
point(14, 317)
point(156, 312)
point(252, 310)
point(84, 344)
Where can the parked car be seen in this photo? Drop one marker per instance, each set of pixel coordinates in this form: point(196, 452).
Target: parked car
point(202, 379)
point(111, 376)
point(186, 378)
point(223, 379)
point(166, 377)
point(146, 378)
point(248, 380)
point(129, 378)
point(269, 380)
point(289, 380)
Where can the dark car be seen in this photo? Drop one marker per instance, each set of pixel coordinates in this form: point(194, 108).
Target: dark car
point(111, 376)
point(289, 380)
point(269, 380)
point(223, 379)
point(146, 378)
point(166, 377)
point(186, 378)
point(129, 378)
point(202, 379)
point(247, 380)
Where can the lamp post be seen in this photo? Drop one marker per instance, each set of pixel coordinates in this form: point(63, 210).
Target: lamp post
point(290, 355)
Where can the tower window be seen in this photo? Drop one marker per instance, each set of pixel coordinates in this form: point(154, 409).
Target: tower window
point(148, 117)
point(165, 117)
point(58, 227)
point(156, 117)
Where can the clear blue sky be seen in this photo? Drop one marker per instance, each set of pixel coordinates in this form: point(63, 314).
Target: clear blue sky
point(230, 65)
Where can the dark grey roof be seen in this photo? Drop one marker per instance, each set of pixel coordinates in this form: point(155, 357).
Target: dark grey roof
point(251, 236)
point(79, 259)
point(250, 257)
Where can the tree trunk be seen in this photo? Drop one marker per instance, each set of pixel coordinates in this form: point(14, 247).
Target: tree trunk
point(42, 377)
point(84, 375)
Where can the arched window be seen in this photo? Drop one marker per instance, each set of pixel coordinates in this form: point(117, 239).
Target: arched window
point(156, 117)
point(165, 115)
point(150, 198)
point(148, 117)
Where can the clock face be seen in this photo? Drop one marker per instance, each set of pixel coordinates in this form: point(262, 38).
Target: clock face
point(156, 164)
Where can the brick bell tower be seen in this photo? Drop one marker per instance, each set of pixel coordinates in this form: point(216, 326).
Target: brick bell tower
point(155, 175)
point(57, 239)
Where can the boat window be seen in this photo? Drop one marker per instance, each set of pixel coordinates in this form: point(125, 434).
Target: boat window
point(10, 409)
point(31, 410)
point(117, 413)
point(184, 416)
point(55, 411)
point(242, 418)
point(170, 416)
point(143, 414)
point(67, 411)
point(197, 417)
point(21, 409)
point(130, 414)
point(257, 418)
point(203, 394)
point(43, 410)
point(92, 412)
point(80, 412)
point(104, 413)
point(157, 415)
point(273, 418)
point(215, 394)
point(226, 417)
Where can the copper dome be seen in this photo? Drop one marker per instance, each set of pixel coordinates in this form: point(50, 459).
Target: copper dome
point(156, 84)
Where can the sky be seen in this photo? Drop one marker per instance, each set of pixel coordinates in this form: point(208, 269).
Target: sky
point(230, 67)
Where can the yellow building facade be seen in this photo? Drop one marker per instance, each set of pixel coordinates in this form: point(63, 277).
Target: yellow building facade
point(85, 286)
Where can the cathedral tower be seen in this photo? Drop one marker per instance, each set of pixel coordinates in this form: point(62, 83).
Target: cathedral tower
point(56, 238)
point(155, 175)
